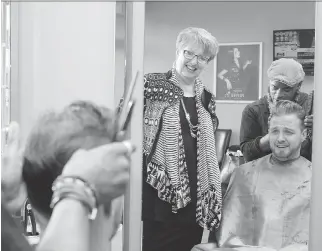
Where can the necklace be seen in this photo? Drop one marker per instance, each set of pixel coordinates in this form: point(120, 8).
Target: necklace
point(193, 129)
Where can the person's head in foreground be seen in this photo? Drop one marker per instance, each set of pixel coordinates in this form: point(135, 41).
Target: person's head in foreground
point(286, 130)
point(285, 79)
point(195, 48)
point(52, 142)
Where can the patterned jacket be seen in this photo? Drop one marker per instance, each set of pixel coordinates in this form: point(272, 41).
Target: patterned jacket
point(159, 94)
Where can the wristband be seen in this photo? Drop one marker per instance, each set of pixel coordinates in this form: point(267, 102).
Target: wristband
point(75, 188)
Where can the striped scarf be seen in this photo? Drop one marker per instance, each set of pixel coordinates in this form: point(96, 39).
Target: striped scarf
point(167, 170)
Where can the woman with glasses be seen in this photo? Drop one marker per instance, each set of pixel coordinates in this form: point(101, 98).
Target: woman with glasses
point(181, 184)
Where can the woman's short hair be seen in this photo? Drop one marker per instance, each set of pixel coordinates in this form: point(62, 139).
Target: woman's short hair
point(200, 36)
point(52, 142)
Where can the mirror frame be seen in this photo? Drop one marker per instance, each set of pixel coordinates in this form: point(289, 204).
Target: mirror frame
point(135, 24)
point(5, 70)
point(316, 185)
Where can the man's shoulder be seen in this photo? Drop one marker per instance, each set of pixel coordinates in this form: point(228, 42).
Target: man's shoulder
point(252, 165)
point(257, 106)
point(244, 174)
point(245, 169)
point(305, 162)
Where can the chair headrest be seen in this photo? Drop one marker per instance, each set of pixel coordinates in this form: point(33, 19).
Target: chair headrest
point(222, 137)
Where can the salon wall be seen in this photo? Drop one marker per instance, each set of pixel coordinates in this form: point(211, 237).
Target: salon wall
point(61, 52)
point(228, 22)
point(119, 55)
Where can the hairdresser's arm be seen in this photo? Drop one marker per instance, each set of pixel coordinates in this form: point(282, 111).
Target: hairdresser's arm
point(68, 229)
point(253, 143)
point(107, 168)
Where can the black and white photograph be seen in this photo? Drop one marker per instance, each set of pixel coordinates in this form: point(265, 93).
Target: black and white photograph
point(238, 72)
point(161, 125)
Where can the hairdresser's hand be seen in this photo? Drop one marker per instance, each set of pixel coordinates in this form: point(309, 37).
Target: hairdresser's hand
point(308, 121)
point(12, 188)
point(106, 167)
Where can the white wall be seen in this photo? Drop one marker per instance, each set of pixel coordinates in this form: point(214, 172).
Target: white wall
point(119, 56)
point(65, 52)
point(228, 22)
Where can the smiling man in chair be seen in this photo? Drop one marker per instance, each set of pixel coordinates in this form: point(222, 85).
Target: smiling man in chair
point(267, 204)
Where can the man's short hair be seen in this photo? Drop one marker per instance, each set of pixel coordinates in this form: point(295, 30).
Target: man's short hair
point(52, 142)
point(286, 107)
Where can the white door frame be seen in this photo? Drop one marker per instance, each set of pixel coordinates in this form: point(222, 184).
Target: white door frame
point(135, 24)
point(316, 204)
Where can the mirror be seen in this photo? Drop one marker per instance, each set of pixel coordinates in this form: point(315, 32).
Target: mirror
point(248, 26)
point(52, 55)
point(60, 52)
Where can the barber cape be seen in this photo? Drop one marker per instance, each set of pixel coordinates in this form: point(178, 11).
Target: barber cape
point(267, 206)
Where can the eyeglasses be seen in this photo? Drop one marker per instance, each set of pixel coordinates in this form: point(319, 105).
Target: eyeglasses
point(190, 55)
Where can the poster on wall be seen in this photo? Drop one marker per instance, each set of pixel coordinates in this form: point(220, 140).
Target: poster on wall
point(238, 72)
point(296, 44)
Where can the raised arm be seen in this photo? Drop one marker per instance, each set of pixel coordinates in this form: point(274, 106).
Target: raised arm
point(222, 73)
point(253, 144)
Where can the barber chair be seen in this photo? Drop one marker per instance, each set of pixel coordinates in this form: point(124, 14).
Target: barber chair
point(222, 137)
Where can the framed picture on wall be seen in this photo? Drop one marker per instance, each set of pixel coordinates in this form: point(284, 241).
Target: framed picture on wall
point(238, 72)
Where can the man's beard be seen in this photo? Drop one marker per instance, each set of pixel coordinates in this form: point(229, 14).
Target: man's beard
point(290, 154)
